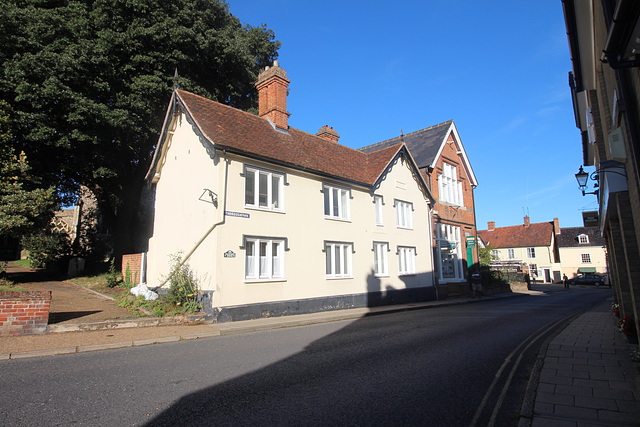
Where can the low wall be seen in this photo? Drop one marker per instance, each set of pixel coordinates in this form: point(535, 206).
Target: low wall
point(24, 313)
point(134, 261)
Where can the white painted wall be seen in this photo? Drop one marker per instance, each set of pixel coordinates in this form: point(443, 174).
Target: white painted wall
point(181, 219)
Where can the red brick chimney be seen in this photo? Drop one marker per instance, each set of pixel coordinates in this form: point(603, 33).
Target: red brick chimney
point(556, 226)
point(492, 225)
point(328, 133)
point(272, 95)
point(527, 221)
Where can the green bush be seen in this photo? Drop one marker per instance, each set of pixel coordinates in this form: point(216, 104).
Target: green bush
point(183, 286)
point(44, 249)
point(113, 277)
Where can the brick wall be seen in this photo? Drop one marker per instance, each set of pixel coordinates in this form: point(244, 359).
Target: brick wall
point(135, 267)
point(24, 313)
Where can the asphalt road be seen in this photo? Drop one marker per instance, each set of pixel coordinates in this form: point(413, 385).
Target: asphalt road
point(459, 365)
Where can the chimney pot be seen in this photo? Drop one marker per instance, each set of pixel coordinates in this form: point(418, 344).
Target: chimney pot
point(492, 225)
point(328, 133)
point(527, 221)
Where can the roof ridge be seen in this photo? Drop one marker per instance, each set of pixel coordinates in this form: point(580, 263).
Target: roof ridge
point(408, 134)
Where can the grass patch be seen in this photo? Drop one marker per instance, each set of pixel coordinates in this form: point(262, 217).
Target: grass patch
point(136, 305)
point(23, 263)
point(11, 288)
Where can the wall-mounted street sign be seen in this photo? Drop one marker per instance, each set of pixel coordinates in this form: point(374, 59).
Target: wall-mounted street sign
point(237, 214)
point(590, 219)
point(229, 254)
point(471, 242)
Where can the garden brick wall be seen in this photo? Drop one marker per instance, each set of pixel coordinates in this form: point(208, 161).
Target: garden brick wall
point(24, 313)
point(135, 267)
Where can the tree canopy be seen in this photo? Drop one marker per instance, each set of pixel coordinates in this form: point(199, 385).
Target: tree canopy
point(89, 82)
point(24, 208)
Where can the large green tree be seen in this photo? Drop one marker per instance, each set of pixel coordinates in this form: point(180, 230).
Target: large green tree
point(25, 208)
point(89, 82)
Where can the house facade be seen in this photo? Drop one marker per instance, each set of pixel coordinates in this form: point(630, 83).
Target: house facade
point(582, 250)
point(275, 221)
point(530, 248)
point(446, 169)
point(605, 87)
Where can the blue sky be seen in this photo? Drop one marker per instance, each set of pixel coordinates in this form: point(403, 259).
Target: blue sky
point(499, 69)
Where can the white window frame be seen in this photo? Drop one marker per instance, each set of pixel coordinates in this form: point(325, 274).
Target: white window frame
point(583, 239)
point(404, 214)
point(449, 188)
point(341, 202)
point(495, 254)
point(531, 253)
point(406, 260)
point(274, 190)
point(448, 239)
point(381, 259)
point(511, 253)
point(264, 266)
point(379, 203)
point(585, 258)
point(338, 260)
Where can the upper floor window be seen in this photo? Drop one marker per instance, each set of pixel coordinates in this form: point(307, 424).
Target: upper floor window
point(404, 214)
point(263, 189)
point(495, 255)
point(449, 188)
point(264, 258)
point(378, 203)
point(511, 253)
point(531, 252)
point(336, 202)
point(586, 258)
point(406, 260)
point(583, 239)
point(338, 260)
point(380, 258)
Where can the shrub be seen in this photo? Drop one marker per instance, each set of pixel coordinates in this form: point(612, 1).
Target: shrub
point(44, 249)
point(113, 277)
point(183, 286)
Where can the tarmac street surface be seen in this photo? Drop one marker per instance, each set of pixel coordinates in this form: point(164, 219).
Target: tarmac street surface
point(455, 364)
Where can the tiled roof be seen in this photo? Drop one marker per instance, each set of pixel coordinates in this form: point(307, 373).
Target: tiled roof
point(423, 144)
point(519, 236)
point(568, 237)
point(253, 136)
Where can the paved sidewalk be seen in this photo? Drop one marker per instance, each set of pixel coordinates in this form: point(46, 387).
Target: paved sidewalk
point(586, 376)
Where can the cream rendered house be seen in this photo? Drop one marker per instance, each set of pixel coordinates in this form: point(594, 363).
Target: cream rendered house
point(277, 221)
point(582, 250)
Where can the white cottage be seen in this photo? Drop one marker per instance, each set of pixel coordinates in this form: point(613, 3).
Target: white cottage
point(277, 221)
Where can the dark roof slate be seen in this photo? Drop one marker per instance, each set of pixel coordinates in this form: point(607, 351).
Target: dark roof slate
point(423, 144)
point(518, 236)
point(568, 237)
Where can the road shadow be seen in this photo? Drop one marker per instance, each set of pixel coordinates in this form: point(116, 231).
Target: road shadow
point(377, 370)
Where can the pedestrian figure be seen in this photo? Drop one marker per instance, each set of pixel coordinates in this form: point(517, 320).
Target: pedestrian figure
point(565, 279)
point(476, 283)
point(527, 279)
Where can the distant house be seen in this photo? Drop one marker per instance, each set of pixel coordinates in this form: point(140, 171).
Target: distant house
point(446, 169)
point(582, 250)
point(278, 221)
point(531, 248)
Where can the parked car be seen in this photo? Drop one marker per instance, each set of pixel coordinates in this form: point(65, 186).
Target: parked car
point(587, 279)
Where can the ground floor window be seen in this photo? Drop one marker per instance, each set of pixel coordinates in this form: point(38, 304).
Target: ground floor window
point(380, 258)
point(406, 260)
point(264, 258)
point(338, 260)
point(449, 252)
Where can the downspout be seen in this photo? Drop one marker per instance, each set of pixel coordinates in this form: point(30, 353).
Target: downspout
point(431, 250)
point(221, 219)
